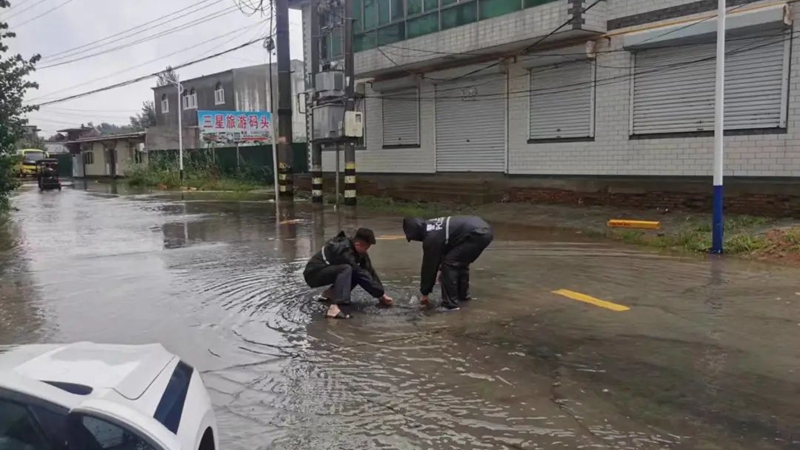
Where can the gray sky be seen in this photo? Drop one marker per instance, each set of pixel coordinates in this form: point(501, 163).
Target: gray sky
point(81, 22)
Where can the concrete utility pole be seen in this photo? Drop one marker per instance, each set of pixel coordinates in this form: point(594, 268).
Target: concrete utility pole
point(349, 73)
point(719, 136)
point(286, 154)
point(269, 45)
point(316, 147)
point(179, 86)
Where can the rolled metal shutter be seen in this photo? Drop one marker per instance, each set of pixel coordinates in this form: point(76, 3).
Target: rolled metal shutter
point(562, 101)
point(471, 125)
point(401, 117)
point(673, 89)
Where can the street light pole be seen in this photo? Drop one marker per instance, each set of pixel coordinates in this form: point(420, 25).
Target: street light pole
point(718, 226)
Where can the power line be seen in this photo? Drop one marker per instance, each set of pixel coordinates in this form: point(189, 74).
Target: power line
point(145, 77)
point(25, 10)
point(530, 47)
point(610, 80)
point(15, 6)
point(43, 14)
point(149, 62)
point(185, 26)
point(135, 29)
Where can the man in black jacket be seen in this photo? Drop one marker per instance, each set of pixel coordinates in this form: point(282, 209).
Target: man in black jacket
point(344, 263)
point(450, 244)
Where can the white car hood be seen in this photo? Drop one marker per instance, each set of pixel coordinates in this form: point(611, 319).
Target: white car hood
point(127, 369)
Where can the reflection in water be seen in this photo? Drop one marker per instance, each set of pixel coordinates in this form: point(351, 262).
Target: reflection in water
point(220, 283)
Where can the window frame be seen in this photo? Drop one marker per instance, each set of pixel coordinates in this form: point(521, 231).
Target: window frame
point(29, 402)
point(88, 157)
point(219, 94)
point(164, 103)
point(361, 30)
point(77, 417)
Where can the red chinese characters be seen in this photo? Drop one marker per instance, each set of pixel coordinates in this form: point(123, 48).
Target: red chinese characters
point(243, 122)
point(253, 121)
point(265, 123)
point(231, 121)
point(219, 121)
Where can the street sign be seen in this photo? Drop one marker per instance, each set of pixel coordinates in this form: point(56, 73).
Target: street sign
point(235, 127)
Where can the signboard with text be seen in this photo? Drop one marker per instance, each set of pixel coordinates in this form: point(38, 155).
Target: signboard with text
point(235, 127)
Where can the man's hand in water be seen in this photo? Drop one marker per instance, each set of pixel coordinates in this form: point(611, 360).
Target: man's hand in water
point(386, 300)
point(424, 301)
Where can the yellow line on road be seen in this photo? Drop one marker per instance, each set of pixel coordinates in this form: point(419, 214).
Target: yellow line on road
point(591, 300)
point(390, 238)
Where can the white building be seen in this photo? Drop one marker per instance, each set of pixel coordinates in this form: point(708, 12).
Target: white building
point(577, 88)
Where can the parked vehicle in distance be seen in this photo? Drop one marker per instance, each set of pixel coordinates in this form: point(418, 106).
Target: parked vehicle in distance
point(47, 175)
point(29, 156)
point(87, 396)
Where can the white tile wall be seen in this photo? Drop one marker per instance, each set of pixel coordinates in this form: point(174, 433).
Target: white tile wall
point(612, 152)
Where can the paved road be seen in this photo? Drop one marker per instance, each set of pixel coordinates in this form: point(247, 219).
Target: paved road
point(571, 343)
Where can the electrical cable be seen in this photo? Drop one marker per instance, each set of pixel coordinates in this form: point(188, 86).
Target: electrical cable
point(185, 26)
point(605, 81)
point(240, 31)
point(42, 14)
point(24, 10)
point(145, 77)
point(137, 29)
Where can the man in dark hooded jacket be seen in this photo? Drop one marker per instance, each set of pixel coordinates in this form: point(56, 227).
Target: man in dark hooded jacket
point(344, 263)
point(450, 244)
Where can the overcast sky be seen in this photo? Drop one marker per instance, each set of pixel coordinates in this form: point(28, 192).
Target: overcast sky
point(73, 25)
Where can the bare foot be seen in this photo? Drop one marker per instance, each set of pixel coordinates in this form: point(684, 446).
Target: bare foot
point(334, 312)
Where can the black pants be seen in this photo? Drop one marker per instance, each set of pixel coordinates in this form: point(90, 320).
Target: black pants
point(455, 266)
point(343, 278)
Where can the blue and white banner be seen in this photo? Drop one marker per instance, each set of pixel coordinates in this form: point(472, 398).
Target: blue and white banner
point(235, 127)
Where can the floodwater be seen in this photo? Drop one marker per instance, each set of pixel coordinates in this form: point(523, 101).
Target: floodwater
point(707, 357)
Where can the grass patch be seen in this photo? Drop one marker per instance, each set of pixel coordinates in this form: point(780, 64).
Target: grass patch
point(200, 173)
point(744, 235)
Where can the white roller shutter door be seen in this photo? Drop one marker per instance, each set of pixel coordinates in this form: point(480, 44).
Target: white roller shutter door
point(673, 90)
point(562, 101)
point(401, 117)
point(471, 125)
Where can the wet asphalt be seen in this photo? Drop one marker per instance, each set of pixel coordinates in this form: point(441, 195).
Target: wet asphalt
point(706, 356)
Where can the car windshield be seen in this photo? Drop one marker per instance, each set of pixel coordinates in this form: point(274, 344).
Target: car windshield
point(32, 157)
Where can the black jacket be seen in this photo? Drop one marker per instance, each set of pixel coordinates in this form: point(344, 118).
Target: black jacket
point(340, 250)
point(438, 236)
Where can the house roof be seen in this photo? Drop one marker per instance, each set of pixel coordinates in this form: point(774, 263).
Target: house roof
point(110, 137)
point(67, 130)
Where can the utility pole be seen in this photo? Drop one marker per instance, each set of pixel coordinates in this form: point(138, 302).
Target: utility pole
point(718, 227)
point(286, 154)
point(179, 86)
point(316, 148)
point(349, 73)
point(269, 45)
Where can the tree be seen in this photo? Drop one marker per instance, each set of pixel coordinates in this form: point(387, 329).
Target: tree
point(168, 76)
point(145, 119)
point(14, 71)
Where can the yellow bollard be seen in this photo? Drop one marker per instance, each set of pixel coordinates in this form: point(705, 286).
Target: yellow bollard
point(641, 224)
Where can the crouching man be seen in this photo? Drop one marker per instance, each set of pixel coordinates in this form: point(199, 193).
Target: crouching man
point(449, 244)
point(343, 263)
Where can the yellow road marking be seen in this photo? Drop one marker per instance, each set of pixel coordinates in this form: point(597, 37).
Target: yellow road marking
point(591, 300)
point(390, 238)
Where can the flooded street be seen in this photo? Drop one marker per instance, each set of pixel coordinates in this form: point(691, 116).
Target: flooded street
point(707, 356)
